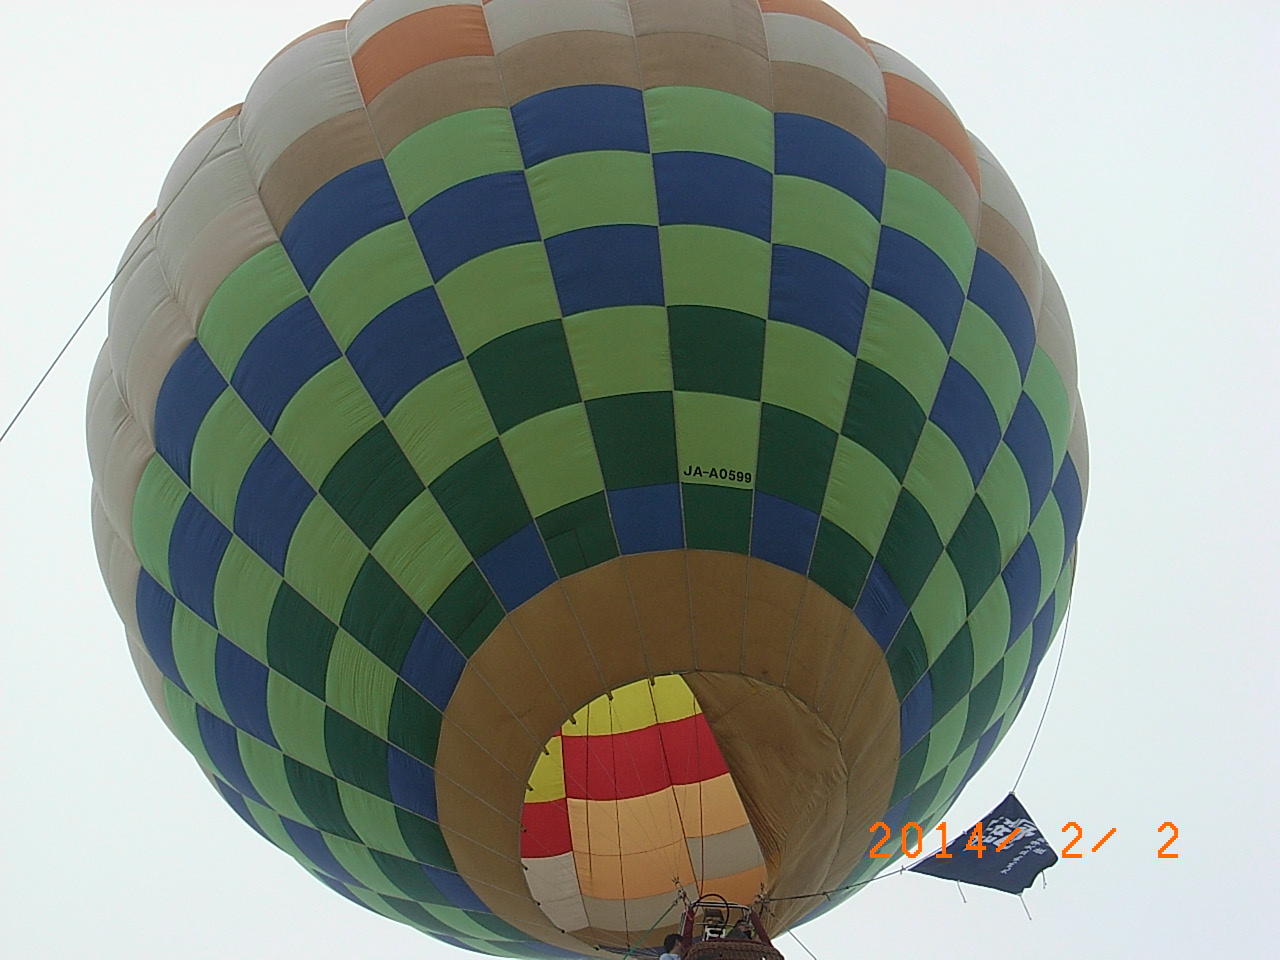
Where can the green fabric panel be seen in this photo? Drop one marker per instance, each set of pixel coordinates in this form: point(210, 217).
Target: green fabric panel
point(359, 685)
point(462, 921)
point(299, 641)
point(975, 549)
point(425, 840)
point(371, 484)
point(1045, 389)
point(264, 765)
point(1003, 489)
point(715, 432)
point(182, 716)
point(324, 558)
point(194, 646)
point(579, 535)
point(381, 615)
point(358, 861)
point(467, 611)
point(448, 151)
point(620, 350)
point(253, 294)
point(898, 340)
point(229, 437)
point(273, 827)
point(1016, 661)
point(920, 211)
point(795, 457)
point(297, 720)
point(441, 420)
point(243, 596)
point(495, 926)
point(839, 564)
point(807, 373)
point(1009, 718)
point(861, 493)
point(1050, 542)
point(356, 755)
point(717, 518)
point(982, 704)
point(635, 438)
point(374, 819)
point(981, 347)
point(499, 292)
point(553, 458)
point(907, 658)
point(939, 479)
point(989, 627)
point(525, 373)
point(944, 740)
point(925, 798)
point(408, 877)
point(317, 795)
point(160, 496)
point(715, 267)
point(909, 768)
point(329, 413)
point(379, 269)
point(717, 351)
point(951, 675)
point(709, 121)
point(421, 551)
point(910, 546)
point(883, 417)
point(952, 780)
point(580, 190)
point(481, 498)
point(407, 911)
point(813, 216)
point(940, 609)
point(414, 727)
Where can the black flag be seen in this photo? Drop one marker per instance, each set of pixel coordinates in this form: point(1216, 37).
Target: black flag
point(973, 857)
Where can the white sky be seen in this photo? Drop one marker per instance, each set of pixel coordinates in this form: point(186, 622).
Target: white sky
point(1145, 140)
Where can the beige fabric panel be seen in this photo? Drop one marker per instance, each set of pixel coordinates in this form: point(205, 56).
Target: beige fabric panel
point(1055, 337)
point(738, 21)
point(725, 854)
point(697, 60)
point(999, 193)
point(125, 312)
point(1006, 231)
point(608, 917)
point(800, 88)
point(514, 21)
point(118, 563)
point(119, 451)
point(1078, 447)
point(211, 140)
point(548, 877)
point(432, 92)
point(915, 152)
point(797, 39)
point(376, 15)
point(231, 238)
point(565, 60)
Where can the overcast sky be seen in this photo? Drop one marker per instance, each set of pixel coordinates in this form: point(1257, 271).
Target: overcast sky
point(1145, 140)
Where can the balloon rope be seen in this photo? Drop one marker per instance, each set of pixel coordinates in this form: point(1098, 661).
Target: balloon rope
point(793, 936)
point(1062, 645)
point(835, 890)
point(636, 946)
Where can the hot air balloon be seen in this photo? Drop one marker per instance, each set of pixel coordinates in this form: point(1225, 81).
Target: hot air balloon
point(552, 458)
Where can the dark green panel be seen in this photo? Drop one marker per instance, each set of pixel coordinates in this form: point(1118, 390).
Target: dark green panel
point(795, 457)
point(481, 498)
point(717, 518)
point(909, 769)
point(380, 615)
point(371, 484)
point(579, 534)
point(414, 726)
point(635, 435)
point(975, 550)
point(356, 755)
point(497, 926)
point(911, 546)
point(952, 673)
point(982, 706)
point(714, 350)
point(299, 638)
point(907, 658)
point(424, 839)
point(840, 563)
point(317, 795)
point(923, 800)
point(525, 373)
point(409, 877)
point(467, 611)
point(417, 914)
point(883, 417)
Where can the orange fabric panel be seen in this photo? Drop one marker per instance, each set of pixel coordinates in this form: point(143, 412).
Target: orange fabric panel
point(417, 40)
point(915, 106)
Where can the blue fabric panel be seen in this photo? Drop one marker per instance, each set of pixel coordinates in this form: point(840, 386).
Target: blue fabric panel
point(807, 147)
point(965, 415)
point(1028, 438)
point(311, 842)
point(402, 346)
point(911, 272)
point(782, 532)
point(1041, 634)
point(237, 803)
point(242, 683)
point(1022, 580)
point(195, 552)
point(986, 743)
point(1066, 490)
point(610, 266)
point(474, 218)
point(811, 291)
point(994, 290)
point(518, 567)
point(351, 205)
point(916, 713)
point(272, 499)
point(292, 348)
point(433, 665)
point(578, 119)
point(881, 608)
point(413, 783)
point(222, 744)
point(714, 190)
point(190, 387)
point(456, 889)
point(647, 518)
point(154, 606)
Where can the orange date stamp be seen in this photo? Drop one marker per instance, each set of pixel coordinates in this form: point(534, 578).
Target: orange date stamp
point(980, 842)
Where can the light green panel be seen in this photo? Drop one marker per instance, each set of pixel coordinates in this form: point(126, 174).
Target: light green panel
point(620, 350)
point(807, 373)
point(817, 217)
point(467, 927)
point(229, 438)
point(1050, 540)
point(324, 558)
point(1009, 719)
point(717, 431)
point(297, 720)
point(898, 340)
point(1016, 661)
point(182, 715)
point(359, 685)
point(264, 765)
point(861, 494)
point(160, 496)
point(243, 595)
point(501, 291)
point(981, 347)
point(939, 610)
point(920, 211)
point(709, 121)
point(714, 267)
point(254, 293)
point(357, 861)
point(1044, 387)
point(554, 458)
point(329, 413)
point(940, 480)
point(441, 420)
point(374, 821)
point(591, 189)
point(421, 551)
point(379, 269)
point(989, 628)
point(443, 154)
point(273, 827)
point(944, 739)
point(951, 781)
point(194, 646)
point(1003, 489)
